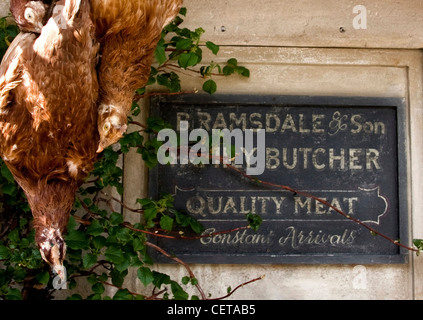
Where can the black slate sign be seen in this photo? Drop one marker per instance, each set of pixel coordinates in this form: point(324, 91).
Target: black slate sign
point(349, 151)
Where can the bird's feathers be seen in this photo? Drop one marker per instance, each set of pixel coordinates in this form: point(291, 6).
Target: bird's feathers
point(129, 31)
point(50, 104)
point(49, 90)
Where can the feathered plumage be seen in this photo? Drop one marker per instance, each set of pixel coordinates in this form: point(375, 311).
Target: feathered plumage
point(51, 114)
point(128, 31)
point(29, 15)
point(48, 117)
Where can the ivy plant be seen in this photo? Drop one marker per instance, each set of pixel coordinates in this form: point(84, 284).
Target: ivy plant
point(102, 246)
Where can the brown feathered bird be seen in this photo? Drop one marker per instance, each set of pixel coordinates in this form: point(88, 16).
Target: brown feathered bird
point(128, 31)
point(29, 15)
point(48, 119)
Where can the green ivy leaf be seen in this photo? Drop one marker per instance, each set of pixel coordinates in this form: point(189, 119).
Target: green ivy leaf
point(178, 292)
point(166, 223)
point(95, 228)
point(145, 275)
point(43, 277)
point(114, 255)
point(123, 294)
point(254, 221)
point(160, 278)
point(98, 288)
point(116, 218)
point(213, 47)
point(72, 223)
point(118, 277)
point(99, 242)
point(89, 260)
point(185, 280)
point(182, 43)
point(13, 294)
point(76, 239)
point(150, 213)
point(188, 60)
point(243, 71)
point(138, 244)
point(183, 11)
point(9, 189)
point(14, 236)
point(4, 252)
point(131, 140)
point(5, 172)
point(123, 234)
point(196, 226)
point(210, 86)
point(160, 53)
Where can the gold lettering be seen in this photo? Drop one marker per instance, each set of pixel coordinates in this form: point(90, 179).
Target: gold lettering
point(238, 122)
point(276, 120)
point(305, 152)
point(285, 160)
point(196, 205)
point(300, 204)
point(320, 207)
point(256, 124)
point(354, 159)
point(350, 202)
point(289, 124)
point(204, 119)
point(317, 122)
point(278, 203)
point(230, 206)
point(210, 204)
point(181, 116)
point(220, 122)
point(318, 166)
point(272, 158)
point(340, 158)
point(372, 157)
point(301, 124)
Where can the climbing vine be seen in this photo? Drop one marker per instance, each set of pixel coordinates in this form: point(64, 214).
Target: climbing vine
point(102, 245)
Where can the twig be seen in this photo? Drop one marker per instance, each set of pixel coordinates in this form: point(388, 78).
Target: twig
point(178, 68)
point(121, 203)
point(154, 296)
point(129, 226)
point(182, 237)
point(154, 94)
point(240, 286)
point(91, 213)
point(324, 202)
point(191, 274)
point(120, 288)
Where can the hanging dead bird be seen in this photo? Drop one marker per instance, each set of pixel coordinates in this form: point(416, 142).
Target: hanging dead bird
point(48, 119)
point(128, 31)
point(29, 15)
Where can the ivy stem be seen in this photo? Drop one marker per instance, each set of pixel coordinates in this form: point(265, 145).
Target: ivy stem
point(191, 274)
point(324, 202)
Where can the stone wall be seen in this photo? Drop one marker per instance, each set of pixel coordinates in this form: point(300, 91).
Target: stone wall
point(312, 48)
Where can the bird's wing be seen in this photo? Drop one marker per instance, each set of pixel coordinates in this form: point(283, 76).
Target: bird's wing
point(10, 66)
point(171, 10)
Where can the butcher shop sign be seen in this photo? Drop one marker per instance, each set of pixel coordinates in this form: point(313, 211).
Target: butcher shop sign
point(349, 152)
